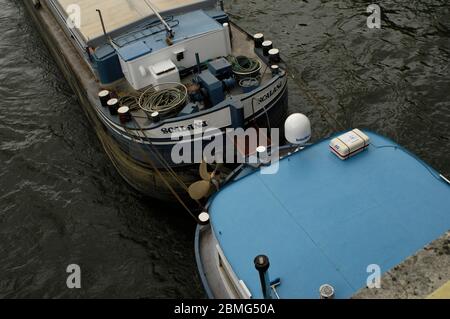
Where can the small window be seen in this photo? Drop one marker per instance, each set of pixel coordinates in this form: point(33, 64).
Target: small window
point(179, 54)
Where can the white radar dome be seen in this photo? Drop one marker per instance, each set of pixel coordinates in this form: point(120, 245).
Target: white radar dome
point(297, 129)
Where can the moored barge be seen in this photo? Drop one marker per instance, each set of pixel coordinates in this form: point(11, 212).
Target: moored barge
point(146, 70)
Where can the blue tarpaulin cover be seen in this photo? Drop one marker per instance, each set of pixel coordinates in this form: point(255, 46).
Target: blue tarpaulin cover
point(322, 220)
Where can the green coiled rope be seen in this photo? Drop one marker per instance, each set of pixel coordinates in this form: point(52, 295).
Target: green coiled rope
point(243, 65)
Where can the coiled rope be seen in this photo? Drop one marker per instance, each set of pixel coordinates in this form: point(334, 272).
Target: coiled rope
point(132, 101)
point(165, 101)
point(243, 65)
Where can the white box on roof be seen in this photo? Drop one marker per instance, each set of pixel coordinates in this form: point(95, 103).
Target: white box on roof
point(163, 72)
point(350, 144)
point(163, 67)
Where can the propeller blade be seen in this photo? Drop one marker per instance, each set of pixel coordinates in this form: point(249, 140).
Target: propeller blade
point(204, 174)
point(200, 190)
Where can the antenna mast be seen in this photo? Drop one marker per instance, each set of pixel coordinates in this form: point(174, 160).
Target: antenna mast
point(169, 30)
point(108, 38)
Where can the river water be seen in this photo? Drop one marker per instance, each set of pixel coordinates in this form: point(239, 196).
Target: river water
point(62, 202)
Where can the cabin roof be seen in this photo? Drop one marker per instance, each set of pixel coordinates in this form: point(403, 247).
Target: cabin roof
point(321, 220)
point(119, 14)
point(188, 25)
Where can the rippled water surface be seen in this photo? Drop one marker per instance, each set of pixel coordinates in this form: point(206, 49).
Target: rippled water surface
point(394, 81)
point(62, 202)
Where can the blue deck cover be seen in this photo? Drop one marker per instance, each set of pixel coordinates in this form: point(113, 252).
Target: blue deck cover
point(324, 221)
point(190, 25)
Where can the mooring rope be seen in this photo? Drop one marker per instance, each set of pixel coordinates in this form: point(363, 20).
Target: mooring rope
point(296, 76)
point(164, 179)
point(132, 101)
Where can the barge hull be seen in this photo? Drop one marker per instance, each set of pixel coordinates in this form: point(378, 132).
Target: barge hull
point(142, 176)
point(143, 179)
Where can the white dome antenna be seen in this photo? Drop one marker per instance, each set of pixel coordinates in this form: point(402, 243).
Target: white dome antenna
point(297, 129)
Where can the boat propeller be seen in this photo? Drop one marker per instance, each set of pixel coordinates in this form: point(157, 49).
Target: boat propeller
point(209, 182)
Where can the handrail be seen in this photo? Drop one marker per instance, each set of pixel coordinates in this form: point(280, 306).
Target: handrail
point(170, 33)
